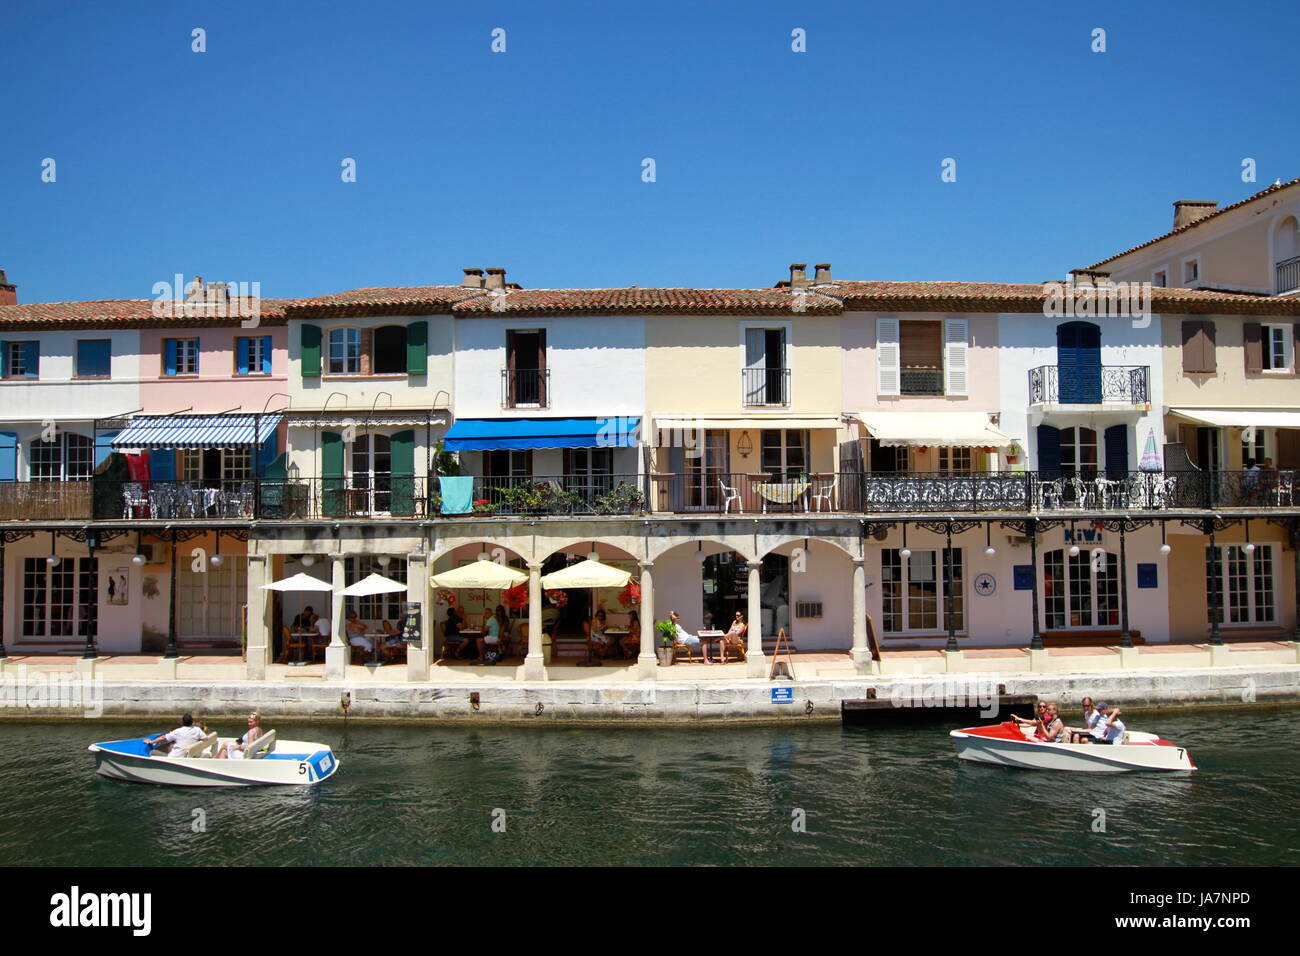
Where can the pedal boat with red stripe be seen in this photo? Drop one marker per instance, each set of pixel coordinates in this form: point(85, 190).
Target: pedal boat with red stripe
point(1008, 745)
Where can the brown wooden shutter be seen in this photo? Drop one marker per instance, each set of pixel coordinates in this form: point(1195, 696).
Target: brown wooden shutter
point(1254, 341)
point(1295, 349)
point(1288, 448)
point(511, 348)
point(921, 344)
point(1187, 436)
point(1192, 348)
point(1210, 357)
point(541, 369)
point(367, 342)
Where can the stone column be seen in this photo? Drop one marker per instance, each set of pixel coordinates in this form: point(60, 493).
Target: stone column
point(258, 624)
point(535, 661)
point(757, 663)
point(337, 653)
point(419, 658)
point(861, 653)
point(647, 664)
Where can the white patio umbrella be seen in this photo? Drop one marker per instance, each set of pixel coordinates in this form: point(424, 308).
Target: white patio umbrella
point(589, 573)
point(373, 584)
point(299, 582)
point(480, 574)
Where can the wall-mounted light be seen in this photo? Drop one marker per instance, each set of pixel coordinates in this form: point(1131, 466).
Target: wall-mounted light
point(308, 560)
point(1249, 546)
point(216, 558)
point(988, 540)
point(699, 553)
point(384, 560)
point(906, 552)
point(137, 559)
point(1164, 545)
point(746, 445)
point(1074, 545)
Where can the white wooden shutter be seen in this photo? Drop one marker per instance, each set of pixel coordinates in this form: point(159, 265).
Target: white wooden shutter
point(955, 347)
point(753, 386)
point(887, 357)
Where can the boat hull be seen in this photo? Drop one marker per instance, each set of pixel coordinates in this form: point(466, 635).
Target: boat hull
point(996, 745)
point(294, 763)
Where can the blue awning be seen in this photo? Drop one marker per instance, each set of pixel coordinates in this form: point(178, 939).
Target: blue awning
point(197, 431)
point(494, 434)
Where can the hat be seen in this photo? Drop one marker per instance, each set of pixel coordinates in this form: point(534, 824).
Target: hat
point(1102, 705)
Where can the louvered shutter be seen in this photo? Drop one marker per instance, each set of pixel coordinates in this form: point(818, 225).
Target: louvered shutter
point(956, 334)
point(1254, 342)
point(1049, 451)
point(1116, 438)
point(887, 357)
point(310, 351)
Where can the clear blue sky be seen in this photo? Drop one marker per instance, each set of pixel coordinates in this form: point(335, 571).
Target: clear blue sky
point(227, 163)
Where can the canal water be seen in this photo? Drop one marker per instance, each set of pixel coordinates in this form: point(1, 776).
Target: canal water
point(811, 794)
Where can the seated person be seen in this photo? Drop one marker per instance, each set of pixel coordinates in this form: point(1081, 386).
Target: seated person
point(451, 632)
point(596, 628)
point(736, 633)
point(495, 628)
point(323, 629)
point(356, 629)
point(305, 619)
point(1090, 718)
point(235, 750)
point(1109, 729)
point(684, 637)
point(392, 636)
point(632, 641)
point(182, 738)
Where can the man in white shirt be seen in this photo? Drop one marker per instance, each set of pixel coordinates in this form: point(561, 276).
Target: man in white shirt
point(323, 626)
point(1109, 729)
point(181, 739)
point(683, 635)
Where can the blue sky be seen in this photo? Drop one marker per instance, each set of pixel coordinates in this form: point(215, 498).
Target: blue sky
point(227, 163)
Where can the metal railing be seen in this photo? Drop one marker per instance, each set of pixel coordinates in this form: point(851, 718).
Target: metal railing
point(525, 388)
point(1089, 385)
point(765, 386)
point(920, 381)
point(388, 497)
point(1288, 275)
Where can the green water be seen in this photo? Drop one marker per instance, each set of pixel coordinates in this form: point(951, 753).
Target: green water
point(426, 794)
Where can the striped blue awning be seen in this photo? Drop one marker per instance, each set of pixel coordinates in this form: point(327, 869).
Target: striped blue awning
point(197, 431)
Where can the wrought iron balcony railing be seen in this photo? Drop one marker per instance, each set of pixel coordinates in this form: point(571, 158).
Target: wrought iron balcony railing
point(1089, 385)
point(765, 386)
point(525, 388)
point(1288, 275)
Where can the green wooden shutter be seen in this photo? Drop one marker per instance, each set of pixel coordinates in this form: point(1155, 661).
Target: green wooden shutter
point(417, 348)
point(331, 472)
point(402, 446)
point(311, 354)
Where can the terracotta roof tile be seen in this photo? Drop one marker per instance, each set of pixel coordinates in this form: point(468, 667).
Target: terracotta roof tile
point(391, 300)
point(644, 301)
point(126, 313)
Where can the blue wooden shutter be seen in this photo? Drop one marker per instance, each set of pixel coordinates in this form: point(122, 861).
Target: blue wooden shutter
point(8, 456)
point(266, 453)
point(162, 464)
point(1049, 451)
point(266, 355)
point(169, 357)
point(1117, 451)
point(242, 347)
point(32, 359)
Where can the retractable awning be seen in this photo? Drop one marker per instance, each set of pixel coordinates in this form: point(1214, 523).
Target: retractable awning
point(197, 431)
point(946, 429)
point(1241, 417)
point(493, 434)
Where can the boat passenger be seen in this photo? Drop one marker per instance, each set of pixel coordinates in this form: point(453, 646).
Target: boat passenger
point(183, 737)
point(1051, 727)
point(1036, 721)
point(683, 636)
point(356, 629)
point(1090, 718)
point(235, 750)
point(1109, 729)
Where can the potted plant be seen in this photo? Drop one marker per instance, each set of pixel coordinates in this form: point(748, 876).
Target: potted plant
point(667, 638)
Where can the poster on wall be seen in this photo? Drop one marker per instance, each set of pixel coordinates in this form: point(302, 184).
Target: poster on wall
point(116, 585)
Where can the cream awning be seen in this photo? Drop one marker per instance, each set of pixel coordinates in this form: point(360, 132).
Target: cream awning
point(1240, 417)
point(748, 421)
point(960, 429)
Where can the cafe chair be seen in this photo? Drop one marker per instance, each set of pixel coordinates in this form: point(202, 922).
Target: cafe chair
point(734, 643)
point(689, 650)
point(450, 646)
point(730, 494)
point(595, 649)
point(292, 642)
point(824, 492)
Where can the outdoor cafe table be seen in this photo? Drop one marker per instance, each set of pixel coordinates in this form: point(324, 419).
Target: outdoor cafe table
point(708, 637)
point(781, 492)
point(616, 635)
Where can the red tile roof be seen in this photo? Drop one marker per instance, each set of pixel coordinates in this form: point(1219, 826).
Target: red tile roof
point(127, 313)
point(393, 300)
point(642, 302)
point(1276, 187)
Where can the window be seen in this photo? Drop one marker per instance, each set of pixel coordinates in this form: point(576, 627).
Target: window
point(1277, 348)
point(508, 464)
point(765, 379)
point(1256, 450)
point(69, 457)
point(215, 467)
point(913, 598)
point(525, 377)
point(22, 359)
point(1160, 278)
point(785, 453)
point(1079, 451)
point(60, 601)
point(371, 463)
point(1080, 591)
point(922, 357)
point(920, 349)
point(956, 459)
point(253, 355)
point(374, 608)
point(1245, 584)
point(390, 350)
point(94, 358)
point(180, 356)
point(890, 458)
point(345, 352)
point(1191, 270)
point(1198, 348)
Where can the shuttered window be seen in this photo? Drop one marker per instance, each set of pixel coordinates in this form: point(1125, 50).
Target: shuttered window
point(1254, 347)
point(956, 376)
point(887, 357)
point(1199, 348)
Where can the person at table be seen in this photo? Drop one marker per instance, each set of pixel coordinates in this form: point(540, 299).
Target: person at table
point(599, 639)
point(305, 619)
point(356, 630)
point(736, 633)
point(685, 637)
point(495, 626)
point(181, 739)
point(235, 749)
point(632, 640)
point(451, 632)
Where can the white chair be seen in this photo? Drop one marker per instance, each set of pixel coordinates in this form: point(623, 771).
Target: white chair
point(1054, 493)
point(825, 492)
point(133, 498)
point(729, 495)
point(1285, 487)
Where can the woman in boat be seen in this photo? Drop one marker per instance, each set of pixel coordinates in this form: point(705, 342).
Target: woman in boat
point(1051, 727)
point(235, 750)
point(1036, 720)
point(1090, 718)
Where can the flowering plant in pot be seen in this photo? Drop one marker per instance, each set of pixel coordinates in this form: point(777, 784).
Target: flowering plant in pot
point(667, 631)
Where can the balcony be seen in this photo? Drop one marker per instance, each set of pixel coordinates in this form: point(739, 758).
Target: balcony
point(525, 388)
point(765, 386)
point(920, 380)
point(1287, 274)
point(1089, 385)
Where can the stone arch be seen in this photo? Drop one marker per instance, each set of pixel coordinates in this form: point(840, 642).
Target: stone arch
point(712, 545)
point(774, 543)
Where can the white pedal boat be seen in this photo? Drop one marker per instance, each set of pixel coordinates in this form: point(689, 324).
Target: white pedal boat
point(267, 761)
point(1007, 745)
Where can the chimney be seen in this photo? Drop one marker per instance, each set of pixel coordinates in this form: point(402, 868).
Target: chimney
point(8, 291)
point(823, 274)
point(799, 275)
point(1188, 211)
point(194, 291)
point(496, 280)
point(473, 279)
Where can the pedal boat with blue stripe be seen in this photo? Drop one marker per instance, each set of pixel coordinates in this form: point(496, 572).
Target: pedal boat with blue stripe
point(268, 762)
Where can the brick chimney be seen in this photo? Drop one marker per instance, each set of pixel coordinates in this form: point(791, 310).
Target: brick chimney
point(473, 279)
point(8, 291)
point(1188, 211)
point(823, 274)
point(799, 275)
point(496, 280)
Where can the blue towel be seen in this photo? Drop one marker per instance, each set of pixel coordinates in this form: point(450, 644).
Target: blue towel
point(457, 495)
